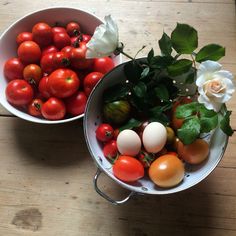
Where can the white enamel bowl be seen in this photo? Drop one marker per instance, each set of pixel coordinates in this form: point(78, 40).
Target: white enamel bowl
point(194, 174)
point(8, 47)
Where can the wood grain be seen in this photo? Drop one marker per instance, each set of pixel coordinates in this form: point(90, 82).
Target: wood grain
point(46, 172)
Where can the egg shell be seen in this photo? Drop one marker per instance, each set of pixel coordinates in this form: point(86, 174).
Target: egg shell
point(154, 137)
point(128, 142)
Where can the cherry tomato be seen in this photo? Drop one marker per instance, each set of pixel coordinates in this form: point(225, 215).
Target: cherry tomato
point(32, 73)
point(58, 29)
point(128, 169)
point(49, 49)
point(90, 81)
point(63, 83)
point(42, 34)
point(104, 132)
point(110, 150)
point(60, 60)
point(29, 52)
point(24, 36)
point(166, 171)
point(53, 109)
point(13, 69)
point(35, 107)
point(86, 38)
point(75, 41)
point(103, 65)
point(47, 63)
point(67, 51)
point(78, 59)
point(73, 28)
point(43, 87)
point(19, 92)
point(75, 105)
point(61, 40)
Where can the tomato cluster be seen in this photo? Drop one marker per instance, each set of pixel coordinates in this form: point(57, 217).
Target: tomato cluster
point(149, 147)
point(51, 77)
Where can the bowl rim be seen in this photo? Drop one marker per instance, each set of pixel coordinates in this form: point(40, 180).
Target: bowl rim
point(10, 107)
point(116, 180)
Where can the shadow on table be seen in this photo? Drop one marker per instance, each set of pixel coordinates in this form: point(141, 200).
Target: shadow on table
point(53, 145)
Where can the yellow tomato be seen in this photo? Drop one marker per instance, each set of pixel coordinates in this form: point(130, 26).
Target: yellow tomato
point(167, 171)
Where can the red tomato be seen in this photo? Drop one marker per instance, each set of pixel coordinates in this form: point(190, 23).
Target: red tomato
point(58, 29)
point(42, 34)
point(75, 41)
point(146, 158)
point(47, 63)
point(29, 52)
point(103, 65)
point(75, 105)
point(13, 69)
point(32, 73)
point(43, 87)
point(49, 49)
point(53, 109)
point(67, 51)
point(86, 38)
point(60, 60)
point(19, 92)
point(24, 36)
point(78, 59)
point(73, 28)
point(35, 107)
point(104, 132)
point(110, 150)
point(128, 169)
point(61, 40)
point(63, 83)
point(90, 81)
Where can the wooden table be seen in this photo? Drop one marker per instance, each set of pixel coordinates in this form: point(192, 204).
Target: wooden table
point(46, 172)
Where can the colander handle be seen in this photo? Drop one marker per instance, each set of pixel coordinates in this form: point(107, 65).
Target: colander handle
point(115, 202)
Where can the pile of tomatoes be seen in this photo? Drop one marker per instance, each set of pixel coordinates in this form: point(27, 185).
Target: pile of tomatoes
point(51, 77)
point(149, 148)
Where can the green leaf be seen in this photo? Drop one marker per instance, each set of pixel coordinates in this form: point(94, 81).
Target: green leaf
point(186, 110)
point(161, 62)
point(145, 72)
point(210, 52)
point(184, 39)
point(132, 71)
point(179, 67)
point(130, 124)
point(208, 123)
point(140, 89)
point(204, 112)
point(156, 114)
point(225, 124)
point(189, 131)
point(150, 55)
point(165, 45)
point(115, 92)
point(162, 92)
point(190, 78)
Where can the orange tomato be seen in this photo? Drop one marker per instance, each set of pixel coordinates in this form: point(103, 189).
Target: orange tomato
point(195, 152)
point(167, 171)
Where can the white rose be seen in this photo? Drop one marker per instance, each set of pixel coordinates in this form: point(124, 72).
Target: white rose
point(215, 86)
point(105, 39)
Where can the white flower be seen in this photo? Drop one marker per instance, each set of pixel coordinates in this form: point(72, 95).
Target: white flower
point(105, 39)
point(215, 86)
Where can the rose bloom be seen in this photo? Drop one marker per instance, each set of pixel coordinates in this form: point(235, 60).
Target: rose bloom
point(215, 86)
point(104, 41)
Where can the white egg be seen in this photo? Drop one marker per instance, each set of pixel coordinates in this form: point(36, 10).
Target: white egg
point(128, 142)
point(154, 137)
